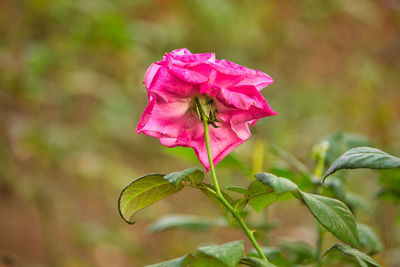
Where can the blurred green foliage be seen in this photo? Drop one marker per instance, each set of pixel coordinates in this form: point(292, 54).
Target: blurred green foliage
point(71, 95)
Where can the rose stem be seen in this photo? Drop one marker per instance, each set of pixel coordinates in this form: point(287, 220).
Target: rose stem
point(235, 214)
point(317, 175)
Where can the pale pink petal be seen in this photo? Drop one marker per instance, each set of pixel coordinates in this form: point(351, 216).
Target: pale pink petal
point(162, 119)
point(184, 58)
point(168, 142)
point(150, 74)
point(173, 122)
point(146, 116)
point(181, 51)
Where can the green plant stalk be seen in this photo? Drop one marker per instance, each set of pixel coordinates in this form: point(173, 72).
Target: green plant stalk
point(320, 238)
point(318, 172)
point(321, 158)
point(258, 155)
point(258, 162)
point(235, 214)
point(319, 246)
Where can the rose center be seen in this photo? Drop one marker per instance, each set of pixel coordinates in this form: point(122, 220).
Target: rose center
point(205, 105)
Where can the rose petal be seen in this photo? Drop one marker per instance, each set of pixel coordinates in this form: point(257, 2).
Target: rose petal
point(163, 119)
point(175, 81)
point(168, 86)
point(191, 68)
point(234, 74)
point(223, 140)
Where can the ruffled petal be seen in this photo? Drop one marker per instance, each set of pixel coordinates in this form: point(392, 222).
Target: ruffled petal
point(231, 74)
point(191, 68)
point(188, 75)
point(163, 119)
point(183, 58)
point(175, 81)
point(151, 72)
point(238, 119)
point(180, 52)
point(244, 102)
point(223, 140)
point(162, 83)
point(174, 126)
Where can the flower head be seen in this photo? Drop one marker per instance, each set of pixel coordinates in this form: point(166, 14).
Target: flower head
point(227, 93)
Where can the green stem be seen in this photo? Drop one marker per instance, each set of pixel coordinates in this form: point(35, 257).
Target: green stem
point(318, 172)
point(319, 246)
point(235, 214)
point(258, 162)
point(258, 155)
point(320, 237)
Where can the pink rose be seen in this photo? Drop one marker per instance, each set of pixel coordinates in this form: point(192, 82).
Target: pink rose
point(227, 91)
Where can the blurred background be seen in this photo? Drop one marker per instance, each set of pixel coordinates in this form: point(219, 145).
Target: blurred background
point(71, 94)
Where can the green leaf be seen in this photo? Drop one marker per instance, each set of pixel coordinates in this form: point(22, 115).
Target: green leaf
point(369, 240)
point(363, 259)
point(273, 254)
point(337, 146)
point(184, 153)
point(256, 262)
point(260, 196)
point(238, 205)
point(334, 216)
point(193, 175)
point(187, 154)
point(298, 252)
point(278, 184)
point(388, 194)
point(291, 160)
point(263, 226)
point(356, 140)
point(267, 190)
point(228, 253)
point(143, 192)
point(390, 182)
point(281, 169)
point(269, 252)
point(203, 261)
point(364, 157)
point(319, 153)
point(232, 162)
point(355, 201)
point(390, 178)
point(335, 188)
point(190, 222)
point(178, 262)
point(339, 142)
point(209, 191)
point(237, 189)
